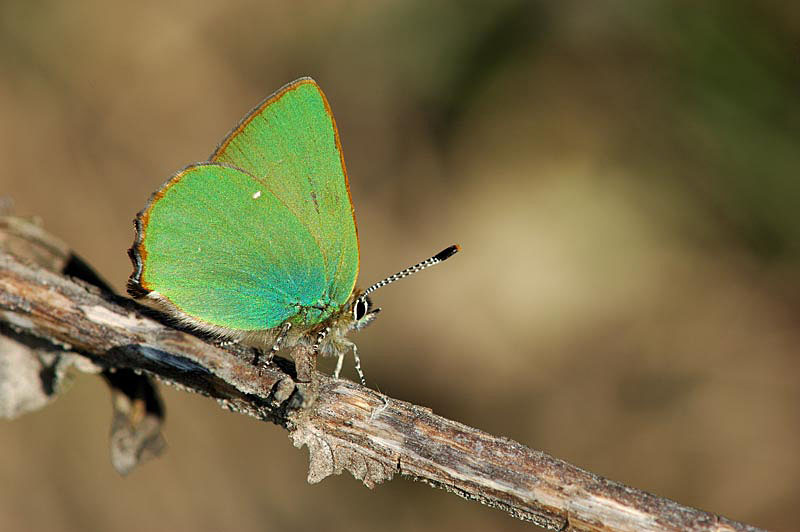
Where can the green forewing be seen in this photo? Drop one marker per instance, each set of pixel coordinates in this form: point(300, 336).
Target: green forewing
point(220, 246)
point(290, 145)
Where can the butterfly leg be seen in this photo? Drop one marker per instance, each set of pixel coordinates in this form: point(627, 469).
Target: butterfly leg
point(320, 337)
point(358, 364)
point(353, 347)
point(339, 361)
point(226, 343)
point(276, 345)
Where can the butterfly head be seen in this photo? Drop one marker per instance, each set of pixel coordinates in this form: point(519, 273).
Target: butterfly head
point(363, 312)
point(360, 312)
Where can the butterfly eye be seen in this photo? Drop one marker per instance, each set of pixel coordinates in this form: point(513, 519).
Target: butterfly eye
point(360, 309)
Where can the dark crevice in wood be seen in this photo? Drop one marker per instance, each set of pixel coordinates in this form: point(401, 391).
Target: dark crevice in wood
point(346, 427)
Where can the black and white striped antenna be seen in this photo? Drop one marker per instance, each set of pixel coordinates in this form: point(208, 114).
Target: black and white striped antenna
point(436, 259)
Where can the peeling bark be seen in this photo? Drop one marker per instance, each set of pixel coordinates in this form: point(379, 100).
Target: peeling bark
point(346, 427)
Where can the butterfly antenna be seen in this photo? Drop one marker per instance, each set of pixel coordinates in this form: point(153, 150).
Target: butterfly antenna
point(436, 259)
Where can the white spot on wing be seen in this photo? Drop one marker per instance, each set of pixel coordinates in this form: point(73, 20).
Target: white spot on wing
point(257, 194)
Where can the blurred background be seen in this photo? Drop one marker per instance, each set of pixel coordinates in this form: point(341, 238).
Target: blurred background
point(623, 179)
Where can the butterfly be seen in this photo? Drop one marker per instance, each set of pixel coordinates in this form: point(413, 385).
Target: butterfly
point(259, 244)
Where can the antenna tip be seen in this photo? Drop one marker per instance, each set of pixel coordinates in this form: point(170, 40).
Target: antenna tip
point(447, 253)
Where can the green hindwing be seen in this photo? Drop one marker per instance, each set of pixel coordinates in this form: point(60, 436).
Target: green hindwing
point(224, 250)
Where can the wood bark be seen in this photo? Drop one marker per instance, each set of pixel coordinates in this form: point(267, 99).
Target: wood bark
point(346, 427)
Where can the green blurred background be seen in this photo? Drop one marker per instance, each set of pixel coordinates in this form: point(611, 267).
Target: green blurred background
point(623, 177)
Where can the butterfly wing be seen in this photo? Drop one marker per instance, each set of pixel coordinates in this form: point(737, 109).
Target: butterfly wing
point(217, 245)
point(290, 144)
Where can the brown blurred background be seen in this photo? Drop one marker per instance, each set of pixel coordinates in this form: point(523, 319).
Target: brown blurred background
point(624, 181)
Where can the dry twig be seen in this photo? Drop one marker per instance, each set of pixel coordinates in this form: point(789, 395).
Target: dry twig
point(345, 426)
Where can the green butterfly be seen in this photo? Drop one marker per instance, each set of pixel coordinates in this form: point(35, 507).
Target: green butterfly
point(259, 245)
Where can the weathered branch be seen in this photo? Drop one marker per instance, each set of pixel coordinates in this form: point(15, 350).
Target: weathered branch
point(345, 426)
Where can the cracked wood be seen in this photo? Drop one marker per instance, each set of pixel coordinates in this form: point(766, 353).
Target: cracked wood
point(347, 427)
